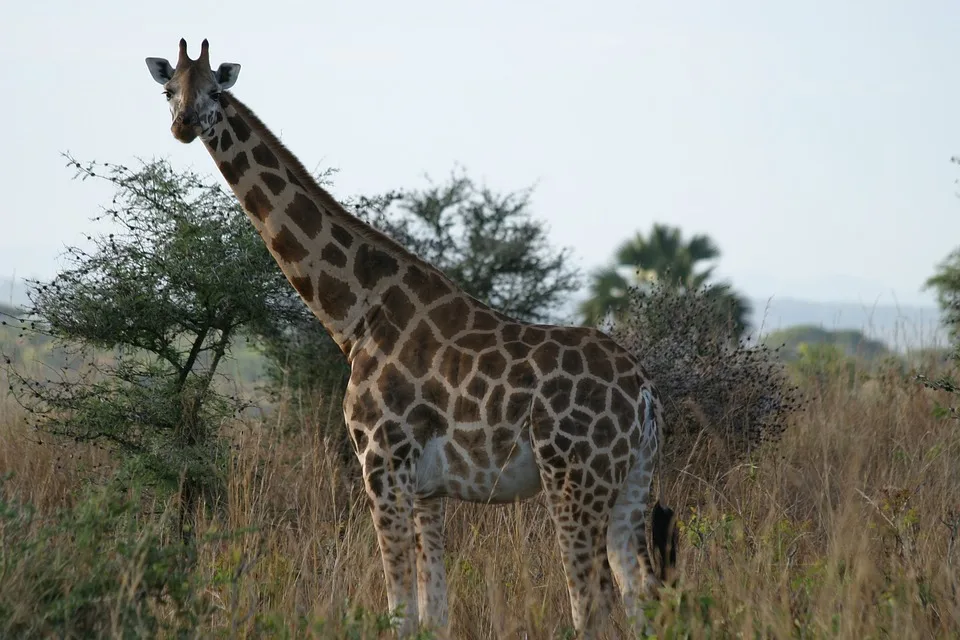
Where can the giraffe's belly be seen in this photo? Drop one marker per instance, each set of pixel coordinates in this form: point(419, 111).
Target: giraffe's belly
point(442, 471)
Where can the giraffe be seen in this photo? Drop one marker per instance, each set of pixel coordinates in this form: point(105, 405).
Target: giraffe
point(447, 397)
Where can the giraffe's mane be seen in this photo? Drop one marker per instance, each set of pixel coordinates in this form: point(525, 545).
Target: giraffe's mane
point(322, 196)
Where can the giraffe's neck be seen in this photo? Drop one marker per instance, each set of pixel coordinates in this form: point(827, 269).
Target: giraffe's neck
point(340, 266)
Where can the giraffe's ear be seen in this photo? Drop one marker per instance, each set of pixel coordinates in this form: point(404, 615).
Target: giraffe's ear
point(227, 74)
point(160, 69)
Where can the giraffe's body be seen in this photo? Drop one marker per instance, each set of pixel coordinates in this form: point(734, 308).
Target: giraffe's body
point(446, 397)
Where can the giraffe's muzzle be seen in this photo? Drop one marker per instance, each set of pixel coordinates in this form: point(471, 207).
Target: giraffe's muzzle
point(186, 126)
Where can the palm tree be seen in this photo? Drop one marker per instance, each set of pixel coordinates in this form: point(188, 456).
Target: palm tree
point(663, 257)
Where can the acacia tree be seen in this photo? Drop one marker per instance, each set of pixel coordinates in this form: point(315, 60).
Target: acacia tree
point(154, 307)
point(486, 242)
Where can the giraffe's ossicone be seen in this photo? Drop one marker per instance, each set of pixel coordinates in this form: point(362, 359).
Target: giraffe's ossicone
point(447, 397)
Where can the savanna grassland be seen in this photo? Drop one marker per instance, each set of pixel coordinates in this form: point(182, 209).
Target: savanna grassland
point(845, 528)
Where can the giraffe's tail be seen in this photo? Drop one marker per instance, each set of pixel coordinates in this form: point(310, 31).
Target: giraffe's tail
point(665, 539)
point(665, 536)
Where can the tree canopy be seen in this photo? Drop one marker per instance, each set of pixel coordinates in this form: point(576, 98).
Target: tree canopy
point(181, 275)
point(663, 256)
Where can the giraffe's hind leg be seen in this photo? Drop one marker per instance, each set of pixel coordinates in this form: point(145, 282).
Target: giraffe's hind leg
point(431, 573)
point(579, 496)
point(627, 543)
point(581, 535)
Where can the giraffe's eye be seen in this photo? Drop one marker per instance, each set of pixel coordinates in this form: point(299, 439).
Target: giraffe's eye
point(168, 94)
point(215, 95)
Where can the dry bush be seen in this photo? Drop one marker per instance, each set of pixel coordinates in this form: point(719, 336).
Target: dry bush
point(723, 397)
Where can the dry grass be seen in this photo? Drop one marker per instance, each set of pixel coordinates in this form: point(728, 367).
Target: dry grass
point(844, 530)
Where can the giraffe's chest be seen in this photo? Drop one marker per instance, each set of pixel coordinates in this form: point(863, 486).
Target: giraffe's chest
point(469, 467)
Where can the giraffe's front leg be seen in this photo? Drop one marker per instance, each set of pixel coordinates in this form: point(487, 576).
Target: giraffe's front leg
point(431, 573)
point(391, 504)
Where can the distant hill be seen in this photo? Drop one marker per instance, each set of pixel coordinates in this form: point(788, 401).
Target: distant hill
point(7, 310)
point(899, 327)
point(850, 341)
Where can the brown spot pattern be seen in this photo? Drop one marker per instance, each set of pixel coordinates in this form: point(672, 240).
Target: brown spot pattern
point(475, 341)
point(257, 203)
point(458, 466)
point(477, 387)
point(305, 214)
point(372, 265)
point(382, 330)
point(427, 286)
point(362, 366)
point(517, 350)
point(503, 441)
point(274, 183)
point(521, 376)
point(234, 169)
point(546, 356)
point(484, 321)
point(332, 254)
point(466, 410)
point(264, 157)
point(399, 305)
point(397, 392)
point(604, 431)
point(226, 140)
point(572, 363)
point(492, 363)
point(591, 395)
point(598, 361)
point(495, 404)
point(342, 236)
point(240, 128)
point(434, 392)
point(365, 409)
point(359, 440)
point(534, 335)
point(474, 442)
point(511, 332)
point(451, 317)
point(292, 179)
point(304, 286)
point(568, 336)
point(389, 434)
point(518, 406)
point(335, 296)
point(622, 408)
point(454, 366)
point(426, 423)
point(287, 247)
point(419, 350)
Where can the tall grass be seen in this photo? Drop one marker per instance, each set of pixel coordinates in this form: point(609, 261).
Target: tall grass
point(847, 528)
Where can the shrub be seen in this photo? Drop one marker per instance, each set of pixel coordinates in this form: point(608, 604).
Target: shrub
point(93, 570)
point(712, 383)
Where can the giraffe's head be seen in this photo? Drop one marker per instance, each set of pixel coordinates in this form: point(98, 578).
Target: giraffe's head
point(193, 90)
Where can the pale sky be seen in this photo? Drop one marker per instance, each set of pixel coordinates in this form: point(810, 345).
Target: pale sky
point(811, 140)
